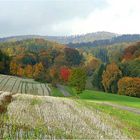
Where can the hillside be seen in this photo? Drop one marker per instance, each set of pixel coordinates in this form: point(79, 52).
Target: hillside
point(90, 37)
point(88, 115)
point(61, 118)
point(106, 42)
point(30, 45)
point(80, 41)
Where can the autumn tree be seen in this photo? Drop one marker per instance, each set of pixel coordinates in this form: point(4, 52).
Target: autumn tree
point(92, 65)
point(13, 67)
point(110, 78)
point(72, 56)
point(131, 52)
point(129, 86)
point(60, 60)
point(29, 71)
point(20, 71)
point(78, 79)
point(54, 74)
point(39, 72)
point(65, 73)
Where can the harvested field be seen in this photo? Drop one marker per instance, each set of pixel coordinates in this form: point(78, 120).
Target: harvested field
point(25, 86)
point(54, 117)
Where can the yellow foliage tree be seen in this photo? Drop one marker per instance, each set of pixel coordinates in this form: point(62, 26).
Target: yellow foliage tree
point(20, 71)
point(13, 68)
point(38, 70)
point(29, 71)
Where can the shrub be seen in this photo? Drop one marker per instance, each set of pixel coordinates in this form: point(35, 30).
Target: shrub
point(5, 100)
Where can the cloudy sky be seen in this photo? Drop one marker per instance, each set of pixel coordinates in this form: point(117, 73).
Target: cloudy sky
point(67, 17)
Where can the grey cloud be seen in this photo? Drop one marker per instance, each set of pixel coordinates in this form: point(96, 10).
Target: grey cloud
point(37, 16)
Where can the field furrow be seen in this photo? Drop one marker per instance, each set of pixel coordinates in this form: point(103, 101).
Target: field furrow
point(8, 85)
point(5, 83)
point(20, 85)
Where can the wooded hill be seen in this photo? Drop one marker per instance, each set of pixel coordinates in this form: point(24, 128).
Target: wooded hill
point(90, 37)
point(52, 62)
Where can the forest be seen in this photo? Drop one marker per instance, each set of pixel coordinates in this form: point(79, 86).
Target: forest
point(113, 68)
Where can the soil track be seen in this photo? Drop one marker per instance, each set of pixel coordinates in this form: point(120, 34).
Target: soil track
point(131, 109)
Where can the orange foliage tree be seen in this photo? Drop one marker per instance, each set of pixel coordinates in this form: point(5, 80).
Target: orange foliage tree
point(92, 65)
point(20, 71)
point(131, 52)
point(129, 86)
point(110, 78)
point(54, 75)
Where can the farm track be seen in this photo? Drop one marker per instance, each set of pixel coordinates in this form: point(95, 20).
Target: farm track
point(48, 89)
point(63, 91)
point(24, 86)
point(130, 109)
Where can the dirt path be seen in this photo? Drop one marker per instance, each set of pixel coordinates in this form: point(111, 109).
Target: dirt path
point(62, 89)
point(131, 109)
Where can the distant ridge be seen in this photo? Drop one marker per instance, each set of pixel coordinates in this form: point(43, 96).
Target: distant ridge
point(114, 40)
point(77, 41)
point(89, 37)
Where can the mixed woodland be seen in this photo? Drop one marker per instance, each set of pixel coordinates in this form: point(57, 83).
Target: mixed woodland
point(113, 67)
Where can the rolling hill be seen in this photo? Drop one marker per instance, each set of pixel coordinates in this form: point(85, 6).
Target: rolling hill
point(107, 42)
point(30, 45)
point(79, 41)
point(90, 37)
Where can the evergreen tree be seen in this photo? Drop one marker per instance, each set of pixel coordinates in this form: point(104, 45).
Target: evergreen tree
point(97, 77)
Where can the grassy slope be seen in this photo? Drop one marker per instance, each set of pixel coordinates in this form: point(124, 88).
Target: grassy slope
point(118, 99)
point(98, 96)
point(128, 121)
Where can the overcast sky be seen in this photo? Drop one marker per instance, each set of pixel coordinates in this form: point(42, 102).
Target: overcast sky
point(66, 17)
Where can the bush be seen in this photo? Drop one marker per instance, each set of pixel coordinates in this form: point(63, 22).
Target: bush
point(4, 103)
point(129, 86)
